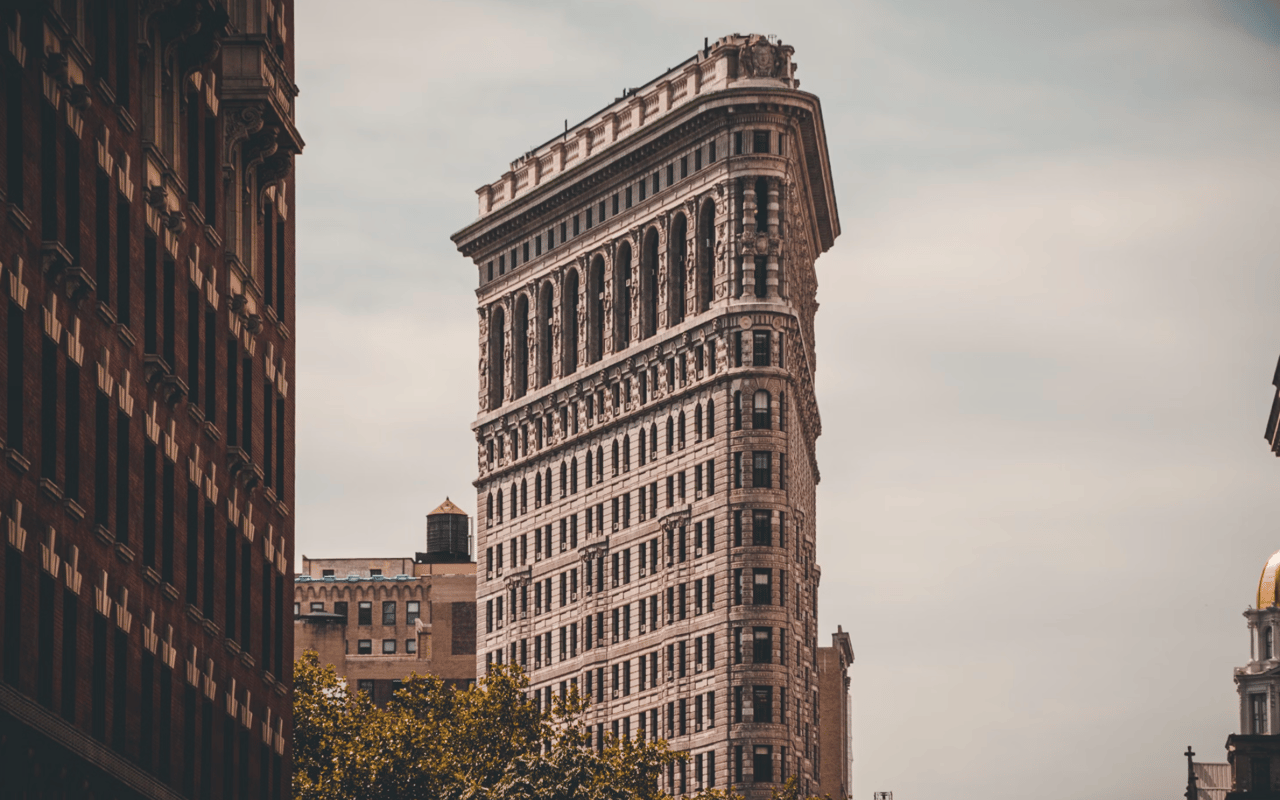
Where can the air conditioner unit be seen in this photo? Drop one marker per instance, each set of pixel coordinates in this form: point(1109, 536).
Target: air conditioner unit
point(697, 727)
point(615, 694)
point(488, 575)
point(697, 494)
point(670, 562)
point(642, 628)
point(697, 667)
point(564, 547)
point(524, 615)
point(644, 573)
point(615, 526)
point(537, 556)
point(697, 551)
point(573, 596)
point(670, 617)
point(671, 675)
point(537, 664)
point(500, 623)
point(615, 581)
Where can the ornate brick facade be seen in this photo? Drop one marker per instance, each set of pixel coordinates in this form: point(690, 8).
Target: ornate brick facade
point(146, 265)
point(647, 414)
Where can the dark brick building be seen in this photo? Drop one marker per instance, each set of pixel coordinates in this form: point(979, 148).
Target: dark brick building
point(146, 421)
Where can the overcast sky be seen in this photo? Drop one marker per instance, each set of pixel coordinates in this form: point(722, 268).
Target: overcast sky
point(1045, 345)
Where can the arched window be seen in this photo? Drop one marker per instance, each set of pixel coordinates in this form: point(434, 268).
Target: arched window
point(643, 452)
point(520, 347)
point(590, 472)
point(711, 418)
point(499, 505)
point(599, 463)
point(497, 355)
point(706, 255)
point(595, 310)
point(547, 486)
point(489, 446)
point(615, 465)
point(782, 411)
point(680, 430)
point(626, 453)
point(760, 411)
point(671, 435)
point(1268, 643)
point(537, 490)
point(524, 495)
point(488, 511)
point(546, 302)
point(513, 501)
point(697, 423)
point(649, 285)
point(564, 479)
point(653, 440)
point(569, 324)
point(737, 411)
point(679, 245)
point(622, 298)
point(573, 476)
point(515, 446)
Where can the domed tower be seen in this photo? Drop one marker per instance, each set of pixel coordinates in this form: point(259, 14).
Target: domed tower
point(1254, 753)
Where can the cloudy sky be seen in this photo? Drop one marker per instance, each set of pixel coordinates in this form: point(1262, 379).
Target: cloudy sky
point(1045, 345)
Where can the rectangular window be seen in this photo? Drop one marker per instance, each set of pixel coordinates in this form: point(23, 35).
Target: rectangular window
point(762, 587)
point(602, 207)
point(364, 613)
point(762, 646)
point(575, 225)
point(627, 193)
point(760, 141)
point(340, 609)
point(537, 245)
point(762, 763)
point(697, 159)
point(684, 166)
point(524, 253)
point(671, 174)
point(364, 647)
point(642, 189)
point(762, 527)
point(737, 151)
point(762, 470)
point(388, 646)
point(412, 611)
point(760, 348)
point(317, 607)
point(711, 151)
point(389, 612)
point(656, 183)
point(411, 646)
point(564, 232)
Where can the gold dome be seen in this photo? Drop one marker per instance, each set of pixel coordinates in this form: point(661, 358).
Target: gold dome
point(1267, 584)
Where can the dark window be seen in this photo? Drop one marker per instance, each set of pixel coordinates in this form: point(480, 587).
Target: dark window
point(364, 647)
point(762, 764)
point(615, 205)
point(684, 166)
point(759, 141)
point(575, 225)
point(697, 159)
point(642, 189)
point(525, 253)
point(326, 573)
point(411, 611)
point(711, 152)
point(761, 417)
point(762, 469)
point(389, 646)
point(760, 348)
point(671, 174)
point(364, 613)
point(762, 587)
point(762, 703)
point(340, 608)
point(389, 612)
point(1260, 773)
point(762, 527)
point(628, 198)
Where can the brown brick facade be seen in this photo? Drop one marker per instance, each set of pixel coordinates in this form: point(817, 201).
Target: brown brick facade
point(147, 418)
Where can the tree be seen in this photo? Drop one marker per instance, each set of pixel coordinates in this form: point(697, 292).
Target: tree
point(485, 743)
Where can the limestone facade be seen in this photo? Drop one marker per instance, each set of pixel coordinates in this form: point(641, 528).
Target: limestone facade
point(645, 441)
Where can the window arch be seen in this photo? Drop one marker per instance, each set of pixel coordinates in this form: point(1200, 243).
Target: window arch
point(711, 417)
point(547, 487)
point(737, 411)
point(622, 298)
point(514, 511)
point(573, 476)
point(564, 479)
point(697, 422)
point(626, 453)
point(671, 435)
point(595, 310)
point(653, 440)
point(680, 426)
point(497, 355)
point(488, 511)
point(706, 255)
point(615, 465)
point(537, 489)
point(643, 451)
point(761, 408)
point(546, 302)
point(569, 324)
point(499, 505)
point(590, 463)
point(520, 347)
point(524, 495)
point(676, 278)
point(599, 463)
point(649, 285)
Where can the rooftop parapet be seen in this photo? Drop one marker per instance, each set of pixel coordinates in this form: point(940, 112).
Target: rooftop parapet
point(732, 61)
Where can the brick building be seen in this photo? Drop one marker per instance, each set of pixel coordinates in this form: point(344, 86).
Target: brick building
point(379, 619)
point(647, 424)
point(835, 758)
point(146, 267)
